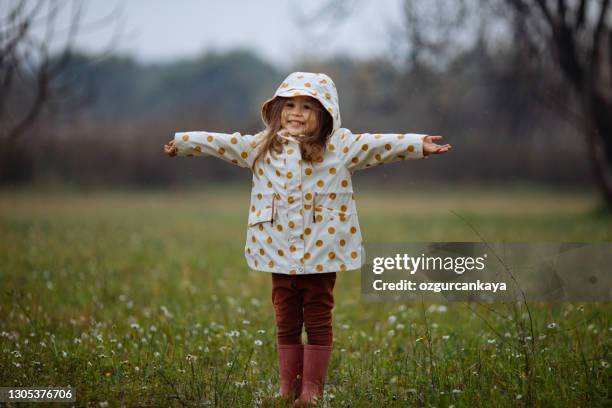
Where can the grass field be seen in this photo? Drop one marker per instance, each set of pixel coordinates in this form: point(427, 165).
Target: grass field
point(144, 298)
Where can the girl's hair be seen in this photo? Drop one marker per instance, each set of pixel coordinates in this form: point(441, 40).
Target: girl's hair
point(312, 146)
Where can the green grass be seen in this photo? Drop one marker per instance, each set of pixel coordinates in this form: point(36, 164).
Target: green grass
point(144, 298)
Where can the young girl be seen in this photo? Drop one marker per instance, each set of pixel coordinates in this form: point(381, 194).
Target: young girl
point(302, 225)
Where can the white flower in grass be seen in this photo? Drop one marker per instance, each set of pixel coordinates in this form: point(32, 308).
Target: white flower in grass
point(135, 326)
point(392, 319)
point(152, 329)
point(519, 396)
point(136, 368)
point(103, 404)
point(191, 357)
point(437, 308)
point(552, 325)
point(165, 311)
point(445, 337)
point(491, 341)
point(246, 322)
point(456, 391)
point(399, 326)
point(156, 354)
point(605, 364)
point(240, 384)
point(258, 342)
point(261, 331)
point(391, 333)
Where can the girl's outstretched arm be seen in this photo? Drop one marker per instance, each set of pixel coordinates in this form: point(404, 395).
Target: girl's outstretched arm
point(234, 147)
point(365, 150)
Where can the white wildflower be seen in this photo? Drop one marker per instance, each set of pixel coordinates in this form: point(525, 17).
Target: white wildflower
point(165, 311)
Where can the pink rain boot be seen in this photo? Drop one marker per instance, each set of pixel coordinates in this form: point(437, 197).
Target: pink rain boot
point(290, 361)
point(316, 362)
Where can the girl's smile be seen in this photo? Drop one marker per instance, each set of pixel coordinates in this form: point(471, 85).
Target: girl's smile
point(298, 116)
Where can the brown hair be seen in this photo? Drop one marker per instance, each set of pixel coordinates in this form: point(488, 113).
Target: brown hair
point(312, 146)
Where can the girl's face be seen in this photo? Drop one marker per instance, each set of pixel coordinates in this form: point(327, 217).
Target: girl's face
point(299, 115)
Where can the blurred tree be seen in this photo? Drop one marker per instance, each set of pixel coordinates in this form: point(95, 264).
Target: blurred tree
point(30, 68)
point(563, 51)
point(578, 37)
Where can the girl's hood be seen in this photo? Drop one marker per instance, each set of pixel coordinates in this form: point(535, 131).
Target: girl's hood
point(319, 86)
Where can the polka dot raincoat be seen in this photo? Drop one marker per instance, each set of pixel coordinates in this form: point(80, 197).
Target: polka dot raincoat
point(302, 216)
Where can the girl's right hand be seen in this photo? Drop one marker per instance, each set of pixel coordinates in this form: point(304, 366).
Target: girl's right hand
point(170, 149)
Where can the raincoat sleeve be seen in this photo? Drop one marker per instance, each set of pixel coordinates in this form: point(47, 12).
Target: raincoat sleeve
point(365, 150)
point(234, 148)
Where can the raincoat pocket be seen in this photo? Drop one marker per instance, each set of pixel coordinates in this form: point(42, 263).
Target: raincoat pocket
point(332, 207)
point(262, 209)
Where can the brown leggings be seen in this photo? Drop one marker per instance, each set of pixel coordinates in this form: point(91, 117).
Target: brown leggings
point(304, 300)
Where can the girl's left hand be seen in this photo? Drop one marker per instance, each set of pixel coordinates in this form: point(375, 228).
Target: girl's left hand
point(430, 147)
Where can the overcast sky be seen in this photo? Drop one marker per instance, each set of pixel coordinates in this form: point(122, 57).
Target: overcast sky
point(158, 30)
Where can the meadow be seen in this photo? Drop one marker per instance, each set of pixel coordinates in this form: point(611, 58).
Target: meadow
point(143, 298)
